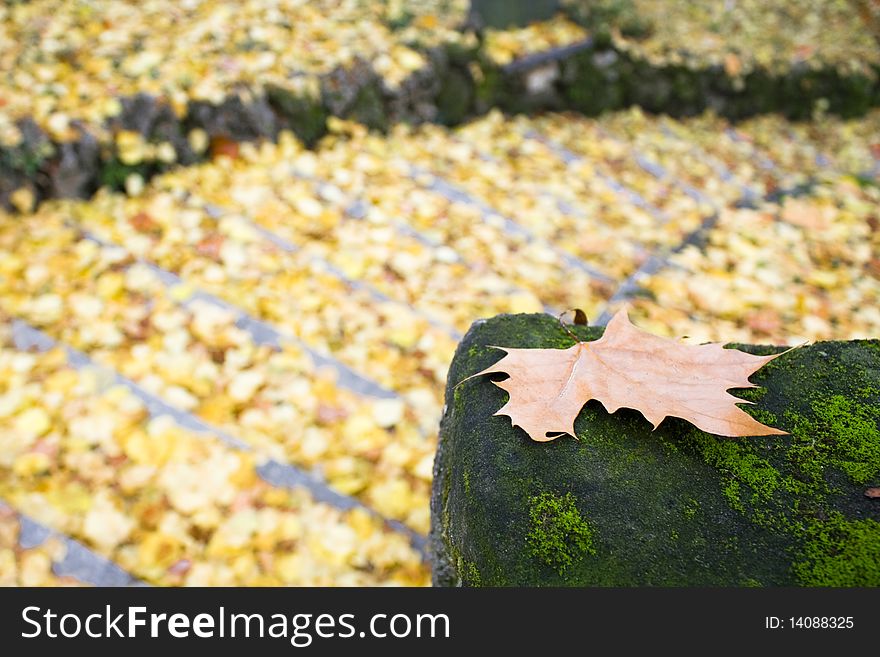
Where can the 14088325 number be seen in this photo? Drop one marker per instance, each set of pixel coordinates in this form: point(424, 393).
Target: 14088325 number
point(821, 622)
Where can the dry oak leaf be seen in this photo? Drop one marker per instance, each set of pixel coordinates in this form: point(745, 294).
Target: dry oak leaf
point(630, 368)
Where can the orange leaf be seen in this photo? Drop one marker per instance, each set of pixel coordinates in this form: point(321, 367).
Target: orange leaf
point(223, 146)
point(766, 321)
point(807, 215)
point(732, 65)
point(144, 223)
point(210, 246)
point(628, 368)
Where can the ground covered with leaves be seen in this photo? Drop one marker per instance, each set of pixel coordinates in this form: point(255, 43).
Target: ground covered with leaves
point(740, 36)
point(376, 252)
point(69, 63)
point(103, 94)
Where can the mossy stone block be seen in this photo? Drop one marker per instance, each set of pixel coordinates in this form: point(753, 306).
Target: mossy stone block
point(307, 117)
point(455, 100)
point(623, 505)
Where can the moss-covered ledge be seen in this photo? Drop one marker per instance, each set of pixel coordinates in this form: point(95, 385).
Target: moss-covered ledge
point(623, 505)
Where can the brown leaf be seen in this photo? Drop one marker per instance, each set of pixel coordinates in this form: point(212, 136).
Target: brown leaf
point(805, 51)
point(48, 447)
point(873, 493)
point(328, 413)
point(732, 65)
point(137, 329)
point(223, 146)
point(574, 316)
point(210, 246)
point(180, 567)
point(144, 223)
point(807, 215)
point(765, 321)
point(628, 368)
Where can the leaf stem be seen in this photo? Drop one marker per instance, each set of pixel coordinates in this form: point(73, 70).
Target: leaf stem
point(565, 328)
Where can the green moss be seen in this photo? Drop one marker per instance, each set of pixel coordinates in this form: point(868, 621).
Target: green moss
point(691, 509)
point(841, 552)
point(600, 16)
point(853, 427)
point(594, 89)
point(730, 489)
point(305, 116)
point(761, 415)
point(489, 89)
point(114, 173)
point(368, 108)
point(843, 434)
point(455, 99)
point(751, 394)
point(738, 463)
point(868, 391)
point(471, 574)
point(558, 533)
point(26, 159)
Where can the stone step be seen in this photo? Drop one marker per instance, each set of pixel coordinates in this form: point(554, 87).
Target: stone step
point(79, 562)
point(276, 473)
point(455, 80)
